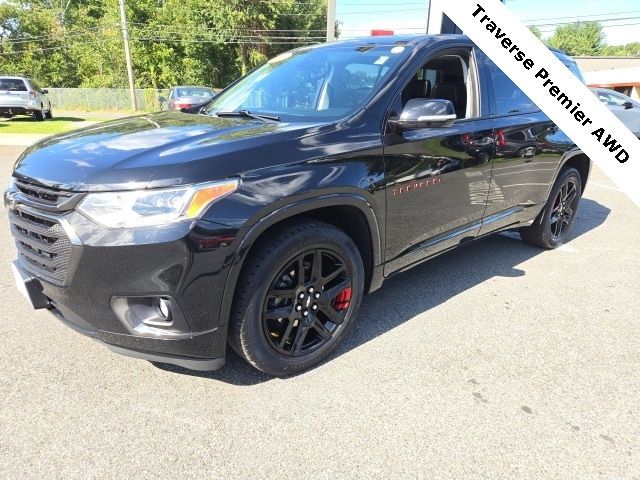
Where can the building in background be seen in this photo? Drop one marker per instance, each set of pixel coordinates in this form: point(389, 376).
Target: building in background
point(617, 73)
point(379, 33)
point(438, 22)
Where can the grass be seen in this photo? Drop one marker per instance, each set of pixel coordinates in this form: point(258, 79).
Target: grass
point(55, 125)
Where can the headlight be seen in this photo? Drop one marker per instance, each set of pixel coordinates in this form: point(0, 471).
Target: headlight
point(144, 208)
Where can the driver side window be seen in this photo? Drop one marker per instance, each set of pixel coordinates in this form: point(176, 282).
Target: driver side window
point(446, 77)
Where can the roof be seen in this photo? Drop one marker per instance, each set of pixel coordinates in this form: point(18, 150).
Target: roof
point(594, 64)
point(619, 77)
point(414, 39)
point(417, 39)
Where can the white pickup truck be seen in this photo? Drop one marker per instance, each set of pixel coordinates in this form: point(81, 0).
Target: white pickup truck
point(22, 96)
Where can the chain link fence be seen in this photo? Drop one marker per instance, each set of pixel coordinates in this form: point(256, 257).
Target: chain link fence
point(92, 99)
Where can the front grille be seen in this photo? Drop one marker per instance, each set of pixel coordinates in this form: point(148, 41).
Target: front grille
point(43, 196)
point(43, 247)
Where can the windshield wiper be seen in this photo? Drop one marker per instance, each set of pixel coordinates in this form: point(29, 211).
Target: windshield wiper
point(248, 114)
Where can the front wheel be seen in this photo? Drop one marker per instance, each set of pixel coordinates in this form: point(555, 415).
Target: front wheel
point(297, 297)
point(552, 226)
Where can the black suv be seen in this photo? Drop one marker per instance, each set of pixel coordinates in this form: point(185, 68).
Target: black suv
point(263, 217)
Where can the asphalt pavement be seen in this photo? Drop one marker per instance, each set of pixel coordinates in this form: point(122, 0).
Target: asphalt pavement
point(498, 360)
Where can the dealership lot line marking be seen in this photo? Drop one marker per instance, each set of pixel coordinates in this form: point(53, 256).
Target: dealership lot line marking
point(553, 87)
point(567, 248)
point(608, 187)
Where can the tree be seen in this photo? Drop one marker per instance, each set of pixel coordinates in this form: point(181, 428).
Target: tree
point(536, 31)
point(628, 50)
point(580, 38)
point(71, 43)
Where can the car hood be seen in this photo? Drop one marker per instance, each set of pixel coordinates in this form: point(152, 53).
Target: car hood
point(156, 150)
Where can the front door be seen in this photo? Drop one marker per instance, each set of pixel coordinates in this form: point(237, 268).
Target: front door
point(438, 179)
point(437, 186)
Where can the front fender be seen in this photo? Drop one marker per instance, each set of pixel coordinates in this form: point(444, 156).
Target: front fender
point(250, 235)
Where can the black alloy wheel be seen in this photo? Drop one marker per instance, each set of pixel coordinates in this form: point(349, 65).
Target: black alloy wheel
point(564, 207)
point(297, 296)
point(306, 303)
point(551, 228)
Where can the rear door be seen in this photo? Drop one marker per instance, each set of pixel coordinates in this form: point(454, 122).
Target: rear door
point(529, 149)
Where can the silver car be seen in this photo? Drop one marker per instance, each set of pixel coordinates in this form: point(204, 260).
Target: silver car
point(22, 96)
point(625, 108)
point(186, 97)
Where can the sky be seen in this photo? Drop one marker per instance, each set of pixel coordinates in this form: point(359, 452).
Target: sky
point(359, 17)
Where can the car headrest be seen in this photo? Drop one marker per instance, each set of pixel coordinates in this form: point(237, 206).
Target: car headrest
point(455, 92)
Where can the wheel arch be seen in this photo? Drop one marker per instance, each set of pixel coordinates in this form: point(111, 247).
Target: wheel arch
point(361, 225)
point(580, 161)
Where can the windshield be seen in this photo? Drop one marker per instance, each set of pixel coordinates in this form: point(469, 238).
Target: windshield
point(612, 98)
point(194, 92)
point(312, 84)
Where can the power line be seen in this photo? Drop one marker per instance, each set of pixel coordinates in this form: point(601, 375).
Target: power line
point(230, 42)
point(581, 16)
point(605, 26)
point(568, 23)
point(50, 49)
point(55, 36)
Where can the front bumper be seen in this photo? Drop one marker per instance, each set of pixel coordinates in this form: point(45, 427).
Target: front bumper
point(114, 279)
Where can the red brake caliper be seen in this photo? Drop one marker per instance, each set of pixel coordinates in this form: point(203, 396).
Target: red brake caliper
point(342, 300)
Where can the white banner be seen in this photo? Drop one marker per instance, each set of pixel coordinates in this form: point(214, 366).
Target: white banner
point(560, 95)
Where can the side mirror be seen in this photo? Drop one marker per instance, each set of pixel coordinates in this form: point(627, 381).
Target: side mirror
point(424, 113)
point(627, 105)
point(45, 91)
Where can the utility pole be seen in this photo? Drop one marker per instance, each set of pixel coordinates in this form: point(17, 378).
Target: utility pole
point(331, 20)
point(127, 54)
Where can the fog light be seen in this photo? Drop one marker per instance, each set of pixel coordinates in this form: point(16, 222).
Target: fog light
point(164, 306)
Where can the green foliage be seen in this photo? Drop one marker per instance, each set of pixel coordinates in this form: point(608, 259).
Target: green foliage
point(628, 50)
point(580, 38)
point(536, 31)
point(67, 43)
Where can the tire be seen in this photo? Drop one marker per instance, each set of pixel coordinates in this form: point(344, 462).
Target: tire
point(280, 321)
point(39, 115)
point(554, 222)
point(49, 114)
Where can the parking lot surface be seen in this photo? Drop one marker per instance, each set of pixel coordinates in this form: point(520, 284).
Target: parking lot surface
point(498, 360)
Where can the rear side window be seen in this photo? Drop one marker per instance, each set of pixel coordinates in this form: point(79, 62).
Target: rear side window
point(13, 85)
point(508, 97)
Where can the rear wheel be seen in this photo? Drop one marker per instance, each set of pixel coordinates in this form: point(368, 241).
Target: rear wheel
point(49, 113)
point(297, 298)
point(552, 226)
point(39, 114)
